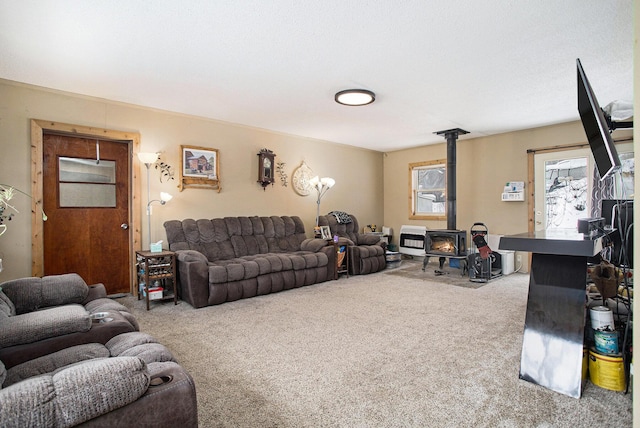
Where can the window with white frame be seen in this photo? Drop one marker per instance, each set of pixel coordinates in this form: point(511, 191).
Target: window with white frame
point(428, 181)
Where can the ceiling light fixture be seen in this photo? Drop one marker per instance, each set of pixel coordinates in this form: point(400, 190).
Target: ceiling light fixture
point(355, 97)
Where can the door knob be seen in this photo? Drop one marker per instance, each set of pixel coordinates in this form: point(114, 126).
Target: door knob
point(124, 226)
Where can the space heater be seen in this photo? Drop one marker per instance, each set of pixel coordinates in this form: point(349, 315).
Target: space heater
point(412, 240)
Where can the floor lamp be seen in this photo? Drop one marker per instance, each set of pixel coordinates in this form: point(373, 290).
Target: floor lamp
point(149, 159)
point(321, 185)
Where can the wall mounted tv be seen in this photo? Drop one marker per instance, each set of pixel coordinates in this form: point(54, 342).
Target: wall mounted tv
point(596, 127)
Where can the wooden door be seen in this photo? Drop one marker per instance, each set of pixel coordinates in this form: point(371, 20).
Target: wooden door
point(87, 206)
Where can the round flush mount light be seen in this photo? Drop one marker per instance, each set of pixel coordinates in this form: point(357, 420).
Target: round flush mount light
point(355, 97)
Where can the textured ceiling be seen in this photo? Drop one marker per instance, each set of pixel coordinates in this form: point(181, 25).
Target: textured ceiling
point(487, 66)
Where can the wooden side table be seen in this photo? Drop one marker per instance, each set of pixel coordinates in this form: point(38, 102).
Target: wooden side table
point(156, 267)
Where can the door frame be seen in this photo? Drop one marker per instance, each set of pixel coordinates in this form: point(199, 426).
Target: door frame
point(38, 128)
point(531, 172)
point(531, 182)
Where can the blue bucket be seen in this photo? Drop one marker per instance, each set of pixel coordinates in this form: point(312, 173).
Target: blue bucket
point(606, 342)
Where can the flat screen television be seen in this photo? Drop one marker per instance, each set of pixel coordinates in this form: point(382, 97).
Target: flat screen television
point(596, 127)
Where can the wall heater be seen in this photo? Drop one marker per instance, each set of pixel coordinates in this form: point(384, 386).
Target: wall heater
point(412, 240)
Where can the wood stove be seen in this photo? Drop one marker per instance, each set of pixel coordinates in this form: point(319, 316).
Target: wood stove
point(446, 243)
point(451, 243)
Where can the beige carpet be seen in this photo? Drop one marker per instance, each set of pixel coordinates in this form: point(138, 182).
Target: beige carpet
point(370, 351)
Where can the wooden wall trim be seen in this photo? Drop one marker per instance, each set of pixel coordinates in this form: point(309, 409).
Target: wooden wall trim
point(38, 128)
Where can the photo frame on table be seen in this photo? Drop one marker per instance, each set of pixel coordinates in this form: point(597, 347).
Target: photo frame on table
point(199, 167)
point(325, 232)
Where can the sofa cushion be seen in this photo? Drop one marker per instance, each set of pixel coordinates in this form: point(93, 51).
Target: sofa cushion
point(38, 325)
point(249, 267)
point(75, 393)
point(51, 362)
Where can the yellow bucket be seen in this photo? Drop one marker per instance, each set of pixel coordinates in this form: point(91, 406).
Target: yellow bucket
point(606, 371)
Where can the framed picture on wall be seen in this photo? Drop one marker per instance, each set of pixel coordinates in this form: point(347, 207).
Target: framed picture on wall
point(200, 167)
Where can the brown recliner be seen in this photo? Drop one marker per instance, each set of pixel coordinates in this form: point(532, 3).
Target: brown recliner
point(366, 251)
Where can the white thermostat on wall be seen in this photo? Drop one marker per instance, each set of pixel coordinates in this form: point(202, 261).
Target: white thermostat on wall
point(512, 196)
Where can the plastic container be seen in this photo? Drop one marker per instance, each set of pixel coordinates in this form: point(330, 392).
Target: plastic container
point(507, 261)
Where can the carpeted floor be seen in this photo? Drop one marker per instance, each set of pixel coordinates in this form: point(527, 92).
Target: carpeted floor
point(378, 350)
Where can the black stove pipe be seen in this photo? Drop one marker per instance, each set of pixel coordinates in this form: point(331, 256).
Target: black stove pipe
point(451, 135)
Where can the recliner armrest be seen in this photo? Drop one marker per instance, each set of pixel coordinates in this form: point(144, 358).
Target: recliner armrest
point(52, 322)
point(313, 244)
point(170, 383)
point(369, 239)
point(96, 291)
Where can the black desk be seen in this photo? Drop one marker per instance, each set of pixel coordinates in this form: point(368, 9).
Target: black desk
point(552, 345)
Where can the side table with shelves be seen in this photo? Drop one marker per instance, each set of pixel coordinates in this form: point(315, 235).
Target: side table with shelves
point(342, 266)
point(160, 267)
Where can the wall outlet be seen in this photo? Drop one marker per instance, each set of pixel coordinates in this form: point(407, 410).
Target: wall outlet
point(519, 258)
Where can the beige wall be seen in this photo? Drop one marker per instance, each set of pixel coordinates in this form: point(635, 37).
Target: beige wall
point(358, 172)
point(484, 165)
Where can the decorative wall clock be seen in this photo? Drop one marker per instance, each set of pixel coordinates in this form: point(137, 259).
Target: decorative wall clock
point(266, 167)
point(300, 179)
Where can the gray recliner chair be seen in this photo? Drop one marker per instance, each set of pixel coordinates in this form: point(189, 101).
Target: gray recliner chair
point(366, 251)
point(39, 316)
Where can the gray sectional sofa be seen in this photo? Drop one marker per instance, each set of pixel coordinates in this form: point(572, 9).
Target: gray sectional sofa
point(231, 258)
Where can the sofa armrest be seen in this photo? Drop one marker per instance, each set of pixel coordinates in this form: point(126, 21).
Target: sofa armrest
point(170, 401)
point(314, 244)
point(96, 291)
point(193, 277)
point(34, 326)
point(369, 239)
